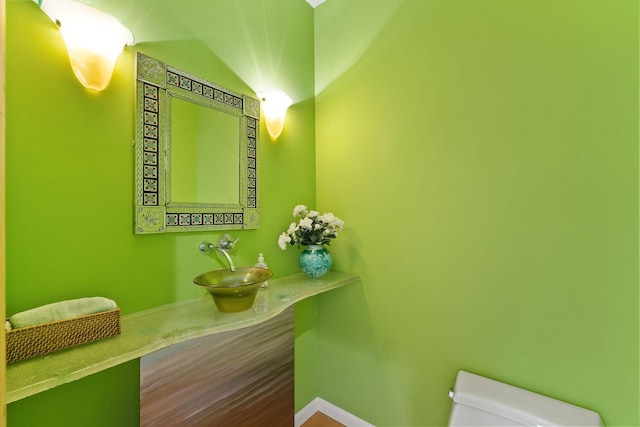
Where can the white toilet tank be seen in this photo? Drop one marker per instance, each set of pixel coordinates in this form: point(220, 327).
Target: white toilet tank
point(480, 401)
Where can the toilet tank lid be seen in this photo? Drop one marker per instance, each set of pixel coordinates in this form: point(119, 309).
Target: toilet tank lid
point(519, 405)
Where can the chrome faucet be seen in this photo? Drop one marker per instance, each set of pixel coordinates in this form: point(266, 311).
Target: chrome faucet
point(225, 245)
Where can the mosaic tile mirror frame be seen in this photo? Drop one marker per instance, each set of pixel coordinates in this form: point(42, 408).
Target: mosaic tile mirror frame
point(157, 85)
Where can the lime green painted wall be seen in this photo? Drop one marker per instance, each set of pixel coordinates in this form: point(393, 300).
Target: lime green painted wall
point(107, 399)
point(484, 156)
point(70, 182)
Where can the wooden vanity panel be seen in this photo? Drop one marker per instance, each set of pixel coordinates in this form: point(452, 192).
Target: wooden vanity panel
point(237, 378)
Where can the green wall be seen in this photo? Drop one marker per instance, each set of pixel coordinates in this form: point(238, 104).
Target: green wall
point(484, 156)
point(70, 179)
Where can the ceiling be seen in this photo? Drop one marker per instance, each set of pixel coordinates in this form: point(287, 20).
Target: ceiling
point(315, 3)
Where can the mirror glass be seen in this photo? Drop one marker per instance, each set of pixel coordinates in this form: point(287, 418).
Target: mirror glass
point(205, 154)
point(196, 153)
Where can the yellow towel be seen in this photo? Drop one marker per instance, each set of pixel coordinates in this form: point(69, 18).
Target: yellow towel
point(61, 310)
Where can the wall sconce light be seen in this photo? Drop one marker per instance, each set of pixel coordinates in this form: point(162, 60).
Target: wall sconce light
point(94, 39)
point(274, 105)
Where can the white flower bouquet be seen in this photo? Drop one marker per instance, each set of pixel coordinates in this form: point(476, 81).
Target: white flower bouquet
point(311, 229)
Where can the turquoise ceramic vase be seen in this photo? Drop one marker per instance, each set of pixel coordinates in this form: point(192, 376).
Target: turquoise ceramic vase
point(315, 261)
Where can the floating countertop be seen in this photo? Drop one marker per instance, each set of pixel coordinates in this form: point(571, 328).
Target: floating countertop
point(150, 330)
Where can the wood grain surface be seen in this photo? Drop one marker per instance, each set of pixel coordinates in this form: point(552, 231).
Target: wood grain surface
point(237, 378)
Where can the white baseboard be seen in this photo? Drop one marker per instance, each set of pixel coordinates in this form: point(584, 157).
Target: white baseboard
point(330, 410)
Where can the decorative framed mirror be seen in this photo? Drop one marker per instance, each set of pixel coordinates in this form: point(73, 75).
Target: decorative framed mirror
point(196, 153)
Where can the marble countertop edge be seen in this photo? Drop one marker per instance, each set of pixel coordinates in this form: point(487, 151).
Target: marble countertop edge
point(150, 330)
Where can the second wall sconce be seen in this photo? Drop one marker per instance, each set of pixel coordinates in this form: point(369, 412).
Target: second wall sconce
point(274, 105)
point(94, 39)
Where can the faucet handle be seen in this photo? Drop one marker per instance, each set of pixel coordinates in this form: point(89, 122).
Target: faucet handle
point(206, 247)
point(227, 243)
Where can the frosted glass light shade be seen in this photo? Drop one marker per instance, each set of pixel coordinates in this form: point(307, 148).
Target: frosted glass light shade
point(274, 105)
point(94, 39)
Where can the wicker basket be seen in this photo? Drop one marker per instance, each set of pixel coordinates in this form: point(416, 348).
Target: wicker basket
point(38, 340)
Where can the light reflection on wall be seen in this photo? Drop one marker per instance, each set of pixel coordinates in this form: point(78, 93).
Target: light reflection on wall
point(335, 56)
point(264, 31)
point(263, 28)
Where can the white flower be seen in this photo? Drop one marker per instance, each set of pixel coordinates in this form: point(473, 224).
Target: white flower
point(332, 220)
point(328, 217)
point(283, 241)
point(299, 210)
point(311, 229)
point(306, 223)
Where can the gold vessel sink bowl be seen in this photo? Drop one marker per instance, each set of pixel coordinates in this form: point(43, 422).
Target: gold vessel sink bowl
point(234, 291)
